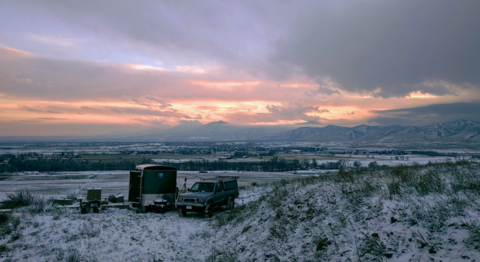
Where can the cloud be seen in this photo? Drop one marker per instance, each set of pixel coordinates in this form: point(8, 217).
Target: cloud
point(53, 40)
point(67, 80)
point(7, 53)
point(40, 109)
point(392, 47)
point(162, 102)
point(30, 109)
point(424, 115)
point(386, 48)
point(206, 31)
point(278, 114)
point(241, 62)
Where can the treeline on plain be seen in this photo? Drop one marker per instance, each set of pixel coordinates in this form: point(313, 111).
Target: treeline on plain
point(63, 164)
point(275, 164)
point(72, 164)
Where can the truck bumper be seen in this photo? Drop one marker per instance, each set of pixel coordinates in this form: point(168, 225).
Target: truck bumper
point(191, 207)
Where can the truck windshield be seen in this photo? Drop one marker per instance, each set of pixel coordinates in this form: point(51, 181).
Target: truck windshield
point(202, 187)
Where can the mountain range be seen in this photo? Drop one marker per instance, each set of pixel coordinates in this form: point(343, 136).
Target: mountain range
point(456, 131)
point(461, 131)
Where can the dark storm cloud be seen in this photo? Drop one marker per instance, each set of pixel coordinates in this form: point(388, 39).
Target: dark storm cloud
point(190, 30)
point(391, 47)
point(397, 46)
point(428, 114)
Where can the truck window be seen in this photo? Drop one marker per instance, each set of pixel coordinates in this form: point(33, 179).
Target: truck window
point(218, 187)
point(231, 185)
point(202, 187)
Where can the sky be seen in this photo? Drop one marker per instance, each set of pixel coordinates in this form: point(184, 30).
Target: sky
point(97, 67)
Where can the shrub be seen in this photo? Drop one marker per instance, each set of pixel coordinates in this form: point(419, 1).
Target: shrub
point(3, 248)
point(20, 198)
point(72, 195)
point(4, 218)
point(430, 182)
point(74, 256)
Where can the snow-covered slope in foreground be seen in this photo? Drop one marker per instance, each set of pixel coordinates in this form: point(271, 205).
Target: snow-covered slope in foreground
point(400, 214)
point(417, 213)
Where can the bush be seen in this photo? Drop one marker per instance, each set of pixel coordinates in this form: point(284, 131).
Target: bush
point(18, 199)
point(3, 248)
point(4, 218)
point(74, 256)
point(24, 198)
point(72, 195)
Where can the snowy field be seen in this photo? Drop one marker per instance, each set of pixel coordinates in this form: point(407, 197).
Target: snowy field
point(418, 213)
point(390, 160)
point(59, 184)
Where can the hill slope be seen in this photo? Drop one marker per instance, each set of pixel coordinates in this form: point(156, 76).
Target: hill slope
point(456, 131)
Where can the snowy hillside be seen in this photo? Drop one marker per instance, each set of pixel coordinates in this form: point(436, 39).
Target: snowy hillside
point(417, 213)
point(457, 131)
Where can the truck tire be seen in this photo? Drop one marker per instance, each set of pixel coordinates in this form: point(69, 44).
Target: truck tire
point(96, 210)
point(83, 210)
point(209, 210)
point(182, 212)
point(231, 203)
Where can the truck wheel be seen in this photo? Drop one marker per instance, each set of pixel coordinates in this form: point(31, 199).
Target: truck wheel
point(209, 210)
point(95, 210)
point(231, 203)
point(83, 210)
point(182, 212)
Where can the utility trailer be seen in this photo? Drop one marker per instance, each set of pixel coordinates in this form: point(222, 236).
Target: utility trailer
point(153, 187)
point(93, 201)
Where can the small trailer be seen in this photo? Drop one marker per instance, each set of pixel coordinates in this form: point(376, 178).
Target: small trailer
point(153, 187)
point(93, 201)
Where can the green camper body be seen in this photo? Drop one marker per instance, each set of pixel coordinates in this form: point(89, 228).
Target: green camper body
point(153, 186)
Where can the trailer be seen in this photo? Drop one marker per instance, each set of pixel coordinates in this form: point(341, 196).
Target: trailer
point(153, 187)
point(93, 201)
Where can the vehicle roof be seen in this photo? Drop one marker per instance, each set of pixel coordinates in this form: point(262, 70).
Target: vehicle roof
point(154, 167)
point(217, 179)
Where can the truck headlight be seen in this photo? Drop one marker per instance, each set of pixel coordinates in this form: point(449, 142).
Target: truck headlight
point(180, 199)
point(201, 200)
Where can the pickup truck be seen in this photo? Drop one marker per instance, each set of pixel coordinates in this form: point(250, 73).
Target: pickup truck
point(204, 196)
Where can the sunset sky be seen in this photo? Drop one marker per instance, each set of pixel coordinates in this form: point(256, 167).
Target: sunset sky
point(95, 67)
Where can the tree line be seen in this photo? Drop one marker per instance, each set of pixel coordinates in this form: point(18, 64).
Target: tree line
point(275, 164)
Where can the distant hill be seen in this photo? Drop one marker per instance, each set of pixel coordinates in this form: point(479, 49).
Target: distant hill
point(461, 131)
point(310, 123)
point(456, 131)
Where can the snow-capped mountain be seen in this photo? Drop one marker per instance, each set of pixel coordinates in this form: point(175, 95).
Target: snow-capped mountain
point(456, 131)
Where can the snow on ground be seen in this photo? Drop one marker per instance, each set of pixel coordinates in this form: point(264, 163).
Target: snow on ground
point(428, 213)
point(408, 214)
point(114, 235)
point(391, 160)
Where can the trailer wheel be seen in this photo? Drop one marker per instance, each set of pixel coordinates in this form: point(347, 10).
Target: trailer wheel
point(231, 203)
point(96, 210)
point(209, 210)
point(83, 210)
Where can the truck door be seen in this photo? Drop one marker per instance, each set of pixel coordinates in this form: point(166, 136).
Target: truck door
point(219, 194)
